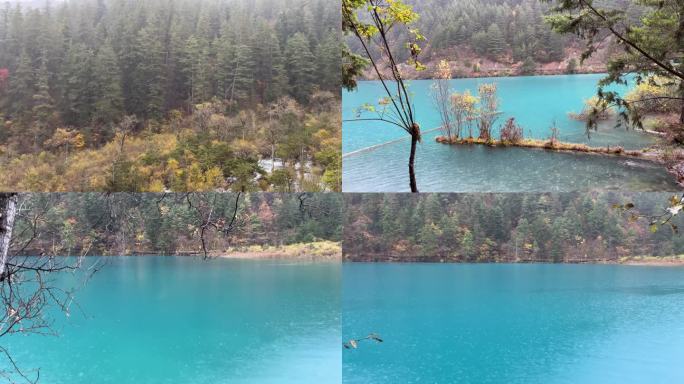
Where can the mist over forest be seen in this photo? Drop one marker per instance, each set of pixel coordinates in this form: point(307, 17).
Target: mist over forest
point(155, 95)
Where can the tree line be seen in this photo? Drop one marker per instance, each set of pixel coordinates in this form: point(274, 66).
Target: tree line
point(79, 75)
point(510, 32)
point(507, 228)
point(494, 29)
point(38, 230)
point(167, 224)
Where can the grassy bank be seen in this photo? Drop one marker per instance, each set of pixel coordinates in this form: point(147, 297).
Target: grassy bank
point(318, 251)
point(658, 261)
point(550, 145)
point(664, 261)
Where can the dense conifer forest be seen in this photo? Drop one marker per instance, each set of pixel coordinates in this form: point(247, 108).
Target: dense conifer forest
point(496, 37)
point(507, 227)
point(181, 95)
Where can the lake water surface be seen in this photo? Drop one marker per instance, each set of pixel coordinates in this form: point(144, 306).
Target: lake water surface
point(182, 320)
point(374, 161)
point(546, 324)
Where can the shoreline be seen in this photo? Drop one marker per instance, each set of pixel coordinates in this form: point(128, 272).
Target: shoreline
point(558, 146)
point(653, 155)
point(654, 261)
point(496, 74)
point(315, 251)
point(637, 261)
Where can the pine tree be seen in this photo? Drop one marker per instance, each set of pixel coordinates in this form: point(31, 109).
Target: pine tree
point(529, 67)
point(150, 71)
point(109, 104)
point(328, 58)
point(429, 239)
point(279, 81)
point(78, 86)
point(300, 66)
point(496, 44)
point(225, 58)
point(467, 245)
point(129, 54)
point(21, 86)
point(269, 70)
point(43, 105)
point(242, 79)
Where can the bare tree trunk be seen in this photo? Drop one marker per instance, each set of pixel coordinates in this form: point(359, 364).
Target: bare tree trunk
point(273, 151)
point(415, 138)
point(681, 103)
point(8, 212)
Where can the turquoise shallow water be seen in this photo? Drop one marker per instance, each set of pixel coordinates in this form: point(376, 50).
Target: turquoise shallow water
point(183, 320)
point(546, 324)
point(374, 161)
point(535, 102)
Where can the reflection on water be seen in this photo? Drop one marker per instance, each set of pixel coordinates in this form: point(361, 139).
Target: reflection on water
point(557, 324)
point(152, 320)
point(444, 168)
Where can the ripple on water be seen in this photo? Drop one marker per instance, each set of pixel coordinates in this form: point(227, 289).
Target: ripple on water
point(444, 168)
point(536, 102)
point(557, 324)
point(164, 320)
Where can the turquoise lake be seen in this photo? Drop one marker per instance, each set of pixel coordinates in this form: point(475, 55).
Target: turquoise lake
point(184, 320)
point(489, 323)
point(376, 157)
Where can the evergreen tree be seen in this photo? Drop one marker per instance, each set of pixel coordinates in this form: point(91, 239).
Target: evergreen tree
point(43, 105)
point(528, 67)
point(467, 245)
point(109, 104)
point(21, 86)
point(300, 66)
point(495, 41)
point(328, 58)
point(243, 80)
point(428, 238)
point(150, 72)
point(78, 86)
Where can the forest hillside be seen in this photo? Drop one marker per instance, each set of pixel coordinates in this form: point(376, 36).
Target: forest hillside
point(158, 95)
point(507, 227)
point(481, 38)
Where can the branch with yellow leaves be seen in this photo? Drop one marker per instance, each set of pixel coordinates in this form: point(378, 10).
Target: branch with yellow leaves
point(675, 206)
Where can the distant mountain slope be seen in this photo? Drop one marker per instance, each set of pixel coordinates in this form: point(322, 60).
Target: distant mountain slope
point(495, 38)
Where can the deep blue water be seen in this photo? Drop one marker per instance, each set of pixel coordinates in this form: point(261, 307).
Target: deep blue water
point(546, 324)
point(160, 320)
point(374, 161)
